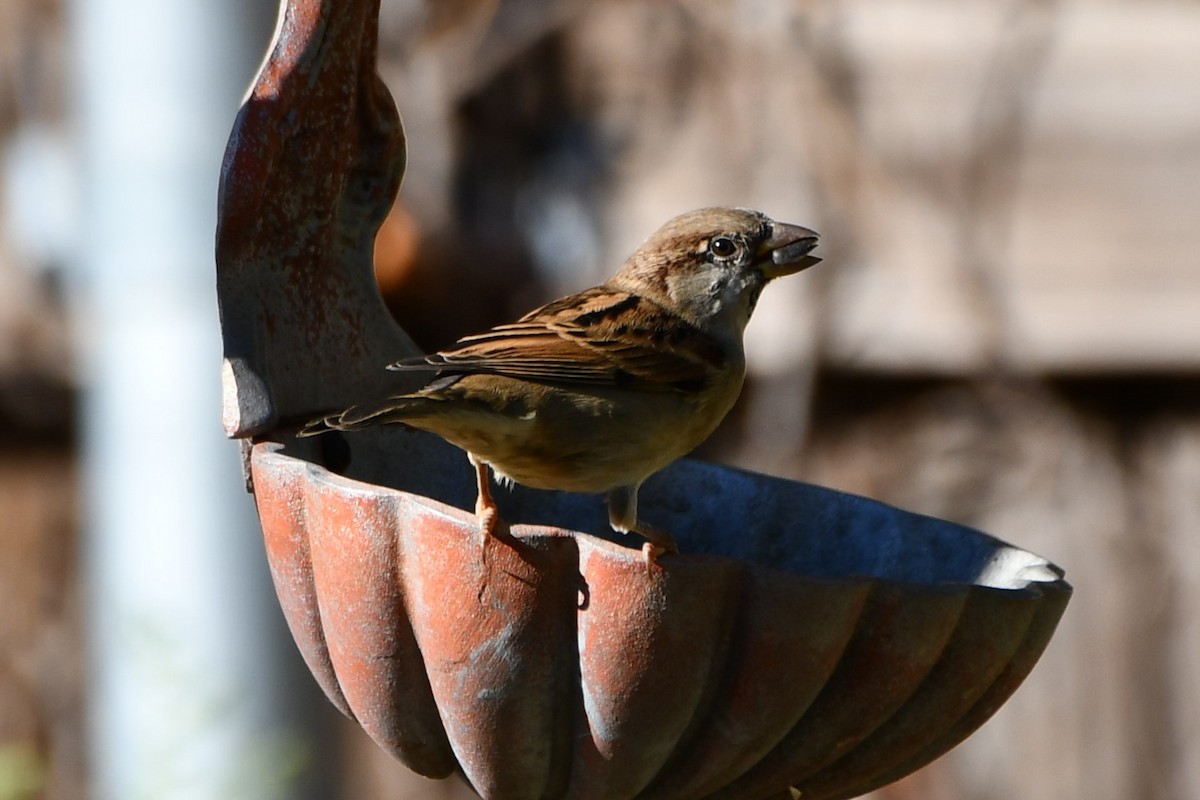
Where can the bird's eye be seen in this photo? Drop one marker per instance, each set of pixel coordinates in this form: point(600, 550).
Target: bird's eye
point(722, 247)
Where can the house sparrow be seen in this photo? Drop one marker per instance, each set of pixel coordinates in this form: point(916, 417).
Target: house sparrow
point(597, 391)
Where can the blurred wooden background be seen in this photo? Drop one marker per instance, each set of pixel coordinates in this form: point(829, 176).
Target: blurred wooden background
point(1005, 332)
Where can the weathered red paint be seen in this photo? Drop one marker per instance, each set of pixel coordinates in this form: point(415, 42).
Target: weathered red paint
point(543, 664)
point(312, 166)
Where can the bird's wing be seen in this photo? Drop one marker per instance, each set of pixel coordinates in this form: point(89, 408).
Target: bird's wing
point(599, 337)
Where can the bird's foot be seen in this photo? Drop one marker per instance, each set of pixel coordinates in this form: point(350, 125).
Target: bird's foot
point(622, 515)
point(650, 553)
point(489, 520)
point(658, 543)
point(485, 507)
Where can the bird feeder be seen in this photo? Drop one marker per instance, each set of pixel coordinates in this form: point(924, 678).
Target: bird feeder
point(804, 643)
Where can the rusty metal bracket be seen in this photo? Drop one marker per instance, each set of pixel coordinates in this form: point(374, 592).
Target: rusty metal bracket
point(315, 159)
point(805, 640)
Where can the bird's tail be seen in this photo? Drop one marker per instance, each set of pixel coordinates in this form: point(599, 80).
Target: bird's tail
point(384, 412)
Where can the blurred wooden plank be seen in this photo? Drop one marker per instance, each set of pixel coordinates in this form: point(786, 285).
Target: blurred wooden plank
point(1020, 463)
point(41, 642)
point(1028, 190)
point(1167, 468)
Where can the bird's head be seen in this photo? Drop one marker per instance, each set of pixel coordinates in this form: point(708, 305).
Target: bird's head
point(710, 265)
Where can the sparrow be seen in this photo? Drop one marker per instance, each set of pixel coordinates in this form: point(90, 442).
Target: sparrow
point(597, 391)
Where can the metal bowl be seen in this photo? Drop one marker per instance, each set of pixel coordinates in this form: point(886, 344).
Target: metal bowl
point(804, 640)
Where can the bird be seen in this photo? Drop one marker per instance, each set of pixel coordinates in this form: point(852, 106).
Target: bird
point(597, 391)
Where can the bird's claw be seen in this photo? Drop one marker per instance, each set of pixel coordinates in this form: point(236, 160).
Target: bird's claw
point(658, 543)
point(489, 520)
point(651, 552)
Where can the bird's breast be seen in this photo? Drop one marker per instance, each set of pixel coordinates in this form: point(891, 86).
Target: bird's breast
point(578, 439)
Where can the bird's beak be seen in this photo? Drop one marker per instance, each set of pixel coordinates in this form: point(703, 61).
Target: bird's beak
point(787, 250)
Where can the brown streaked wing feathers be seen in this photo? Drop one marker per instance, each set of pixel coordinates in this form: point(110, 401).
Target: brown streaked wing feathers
point(600, 337)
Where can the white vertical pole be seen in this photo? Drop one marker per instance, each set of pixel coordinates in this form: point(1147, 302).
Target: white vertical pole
point(181, 637)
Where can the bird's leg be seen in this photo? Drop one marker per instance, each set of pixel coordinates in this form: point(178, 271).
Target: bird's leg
point(622, 515)
point(485, 507)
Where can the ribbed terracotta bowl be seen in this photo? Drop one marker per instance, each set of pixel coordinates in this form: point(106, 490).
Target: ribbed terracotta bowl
point(802, 639)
